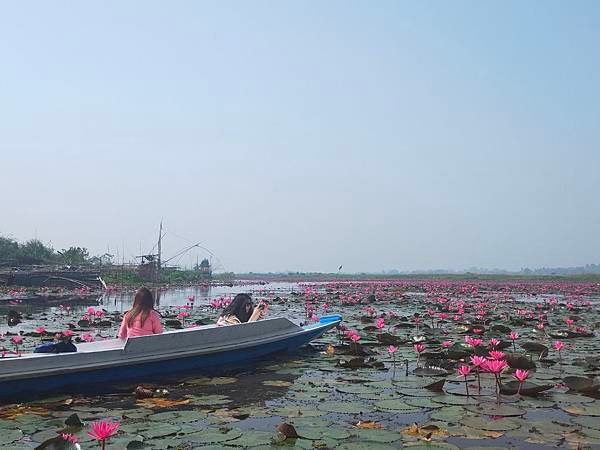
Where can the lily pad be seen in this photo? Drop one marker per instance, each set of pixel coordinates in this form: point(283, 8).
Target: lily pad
point(432, 446)
point(365, 445)
point(496, 409)
point(398, 406)
point(213, 436)
point(376, 435)
point(9, 436)
point(482, 423)
point(315, 433)
point(344, 407)
point(252, 438)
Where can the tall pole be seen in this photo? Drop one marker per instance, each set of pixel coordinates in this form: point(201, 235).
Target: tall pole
point(159, 252)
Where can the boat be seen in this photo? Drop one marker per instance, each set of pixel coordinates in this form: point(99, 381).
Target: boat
point(201, 349)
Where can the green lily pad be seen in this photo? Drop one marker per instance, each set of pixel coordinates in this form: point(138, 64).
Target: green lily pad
point(311, 422)
point(213, 436)
point(582, 409)
point(418, 392)
point(483, 423)
point(496, 409)
point(9, 436)
point(159, 444)
point(422, 402)
point(455, 400)
point(252, 438)
point(344, 407)
point(315, 433)
point(587, 421)
point(378, 435)
point(432, 446)
point(298, 411)
point(356, 389)
point(209, 400)
point(452, 414)
point(161, 430)
point(365, 445)
point(397, 406)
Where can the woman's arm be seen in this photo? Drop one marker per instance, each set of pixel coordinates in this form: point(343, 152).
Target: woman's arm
point(123, 329)
point(257, 314)
point(157, 327)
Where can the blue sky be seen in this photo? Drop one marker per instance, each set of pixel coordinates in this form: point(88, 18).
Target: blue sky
point(305, 135)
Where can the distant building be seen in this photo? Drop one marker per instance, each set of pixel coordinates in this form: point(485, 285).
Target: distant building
point(204, 269)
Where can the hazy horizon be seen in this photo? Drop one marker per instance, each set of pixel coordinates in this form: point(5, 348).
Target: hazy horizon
point(303, 136)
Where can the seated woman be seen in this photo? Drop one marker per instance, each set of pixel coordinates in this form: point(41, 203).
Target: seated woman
point(241, 310)
point(141, 319)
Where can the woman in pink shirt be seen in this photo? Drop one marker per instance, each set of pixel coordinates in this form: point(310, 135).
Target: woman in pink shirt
point(141, 319)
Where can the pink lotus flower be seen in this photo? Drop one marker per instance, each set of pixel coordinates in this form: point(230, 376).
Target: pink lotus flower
point(69, 438)
point(355, 337)
point(447, 344)
point(67, 333)
point(494, 354)
point(569, 322)
point(16, 340)
point(103, 430)
point(495, 366)
point(87, 337)
point(91, 311)
point(392, 349)
point(419, 348)
point(513, 337)
point(40, 330)
point(521, 375)
point(495, 342)
point(464, 371)
point(380, 323)
point(478, 361)
point(473, 342)
point(558, 345)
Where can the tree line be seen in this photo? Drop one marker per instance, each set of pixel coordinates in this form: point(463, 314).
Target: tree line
point(35, 251)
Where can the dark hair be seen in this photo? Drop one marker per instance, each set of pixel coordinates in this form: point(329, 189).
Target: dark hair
point(237, 307)
point(143, 303)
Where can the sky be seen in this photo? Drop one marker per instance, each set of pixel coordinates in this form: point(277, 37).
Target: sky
point(305, 135)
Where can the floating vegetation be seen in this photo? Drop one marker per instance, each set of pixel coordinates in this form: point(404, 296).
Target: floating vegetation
point(416, 364)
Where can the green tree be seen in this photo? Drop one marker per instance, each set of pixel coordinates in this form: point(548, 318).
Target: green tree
point(75, 255)
point(9, 250)
point(35, 251)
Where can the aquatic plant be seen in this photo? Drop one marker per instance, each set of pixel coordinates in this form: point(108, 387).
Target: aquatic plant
point(478, 362)
point(464, 371)
point(182, 316)
point(392, 351)
point(520, 375)
point(558, 346)
point(419, 348)
point(103, 430)
point(16, 341)
point(513, 337)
